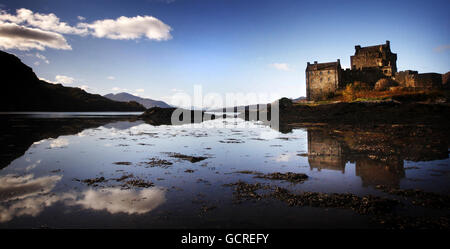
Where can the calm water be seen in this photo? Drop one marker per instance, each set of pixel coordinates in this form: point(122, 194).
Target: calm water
point(69, 114)
point(41, 183)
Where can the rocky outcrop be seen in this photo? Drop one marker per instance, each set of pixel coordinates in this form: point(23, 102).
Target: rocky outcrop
point(163, 116)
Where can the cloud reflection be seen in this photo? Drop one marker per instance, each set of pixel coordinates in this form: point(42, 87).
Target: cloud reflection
point(29, 196)
point(26, 195)
point(59, 143)
point(13, 187)
point(116, 200)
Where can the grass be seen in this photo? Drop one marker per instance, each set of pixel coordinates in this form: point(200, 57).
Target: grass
point(350, 94)
point(347, 95)
point(315, 103)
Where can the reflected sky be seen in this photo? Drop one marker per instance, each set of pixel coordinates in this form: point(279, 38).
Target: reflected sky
point(29, 196)
point(46, 184)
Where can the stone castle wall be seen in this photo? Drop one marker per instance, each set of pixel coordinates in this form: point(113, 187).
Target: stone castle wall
point(412, 79)
point(369, 76)
point(322, 83)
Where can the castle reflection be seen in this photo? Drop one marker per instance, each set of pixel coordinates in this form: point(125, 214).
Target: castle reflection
point(378, 154)
point(324, 152)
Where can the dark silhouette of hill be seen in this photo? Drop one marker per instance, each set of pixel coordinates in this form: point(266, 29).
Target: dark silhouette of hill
point(22, 90)
point(126, 97)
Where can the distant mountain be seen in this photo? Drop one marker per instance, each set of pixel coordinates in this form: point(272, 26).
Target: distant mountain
point(21, 90)
point(148, 103)
point(299, 99)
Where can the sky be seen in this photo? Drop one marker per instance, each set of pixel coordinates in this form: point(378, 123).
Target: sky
point(157, 48)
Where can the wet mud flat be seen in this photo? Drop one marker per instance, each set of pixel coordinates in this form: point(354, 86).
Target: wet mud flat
point(127, 180)
point(379, 152)
point(389, 212)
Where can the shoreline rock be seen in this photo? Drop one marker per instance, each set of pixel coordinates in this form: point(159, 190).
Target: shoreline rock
point(163, 116)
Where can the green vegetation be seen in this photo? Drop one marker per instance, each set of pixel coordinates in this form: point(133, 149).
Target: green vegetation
point(387, 90)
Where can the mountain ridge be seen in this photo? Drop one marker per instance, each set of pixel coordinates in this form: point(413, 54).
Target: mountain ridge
point(146, 102)
point(24, 91)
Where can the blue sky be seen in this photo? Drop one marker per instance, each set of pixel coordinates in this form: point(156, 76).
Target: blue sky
point(228, 46)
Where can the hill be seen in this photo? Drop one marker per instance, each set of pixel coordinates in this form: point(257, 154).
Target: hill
point(147, 103)
point(22, 90)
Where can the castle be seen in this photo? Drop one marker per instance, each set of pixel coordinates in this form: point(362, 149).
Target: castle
point(368, 65)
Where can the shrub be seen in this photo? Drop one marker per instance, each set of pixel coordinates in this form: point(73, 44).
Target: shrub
point(446, 80)
point(349, 93)
point(285, 103)
point(396, 88)
point(384, 84)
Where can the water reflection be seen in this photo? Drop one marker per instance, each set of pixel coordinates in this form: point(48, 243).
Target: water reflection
point(29, 196)
point(374, 172)
point(117, 200)
point(378, 155)
point(339, 159)
point(18, 133)
point(324, 152)
point(26, 195)
point(14, 187)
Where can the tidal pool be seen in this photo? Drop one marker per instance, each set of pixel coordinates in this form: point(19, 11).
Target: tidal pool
point(116, 172)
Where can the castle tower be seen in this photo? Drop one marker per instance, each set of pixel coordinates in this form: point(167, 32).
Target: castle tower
point(322, 79)
point(375, 57)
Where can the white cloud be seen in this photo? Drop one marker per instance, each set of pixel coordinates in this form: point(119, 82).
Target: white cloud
point(13, 36)
point(49, 22)
point(49, 81)
point(28, 30)
point(42, 57)
point(117, 89)
point(281, 66)
point(140, 90)
point(111, 78)
point(36, 63)
point(64, 79)
point(84, 87)
point(128, 28)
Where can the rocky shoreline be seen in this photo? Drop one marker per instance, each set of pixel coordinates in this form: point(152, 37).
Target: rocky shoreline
point(337, 114)
point(367, 113)
point(163, 116)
